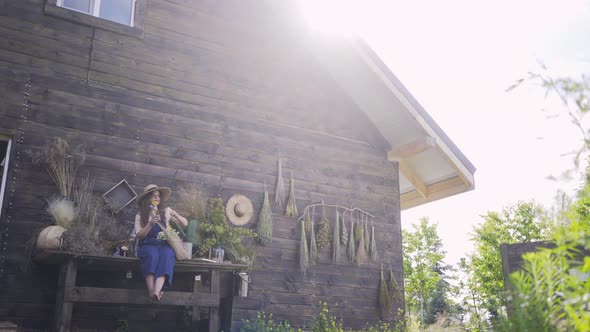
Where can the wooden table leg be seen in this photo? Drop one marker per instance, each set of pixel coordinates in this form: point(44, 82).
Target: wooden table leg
point(214, 311)
point(196, 313)
point(63, 309)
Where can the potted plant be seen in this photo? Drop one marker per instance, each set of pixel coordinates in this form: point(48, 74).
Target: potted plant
point(217, 232)
point(191, 203)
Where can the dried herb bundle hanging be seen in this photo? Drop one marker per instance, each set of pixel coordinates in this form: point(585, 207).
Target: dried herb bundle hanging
point(373, 246)
point(323, 238)
point(313, 248)
point(351, 248)
point(367, 236)
point(291, 209)
point(358, 229)
point(303, 252)
point(309, 216)
point(385, 302)
point(336, 240)
point(361, 253)
point(280, 189)
point(393, 288)
point(344, 238)
point(264, 229)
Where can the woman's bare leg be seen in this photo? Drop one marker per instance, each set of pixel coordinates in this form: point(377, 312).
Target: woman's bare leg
point(149, 281)
point(158, 286)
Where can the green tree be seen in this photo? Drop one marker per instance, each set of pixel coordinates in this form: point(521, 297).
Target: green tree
point(423, 258)
point(517, 223)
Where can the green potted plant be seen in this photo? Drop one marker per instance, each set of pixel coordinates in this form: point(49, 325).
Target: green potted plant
point(191, 203)
point(218, 232)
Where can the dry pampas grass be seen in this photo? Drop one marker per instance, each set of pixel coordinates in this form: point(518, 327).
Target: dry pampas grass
point(61, 162)
point(190, 201)
point(63, 211)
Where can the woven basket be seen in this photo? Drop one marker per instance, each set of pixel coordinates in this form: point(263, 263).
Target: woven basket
point(176, 243)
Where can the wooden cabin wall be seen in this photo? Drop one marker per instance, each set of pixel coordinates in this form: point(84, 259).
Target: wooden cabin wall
point(211, 94)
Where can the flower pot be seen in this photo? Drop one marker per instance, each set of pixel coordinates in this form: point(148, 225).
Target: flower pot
point(50, 237)
point(189, 249)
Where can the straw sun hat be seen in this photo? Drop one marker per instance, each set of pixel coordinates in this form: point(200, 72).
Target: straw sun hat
point(239, 210)
point(150, 188)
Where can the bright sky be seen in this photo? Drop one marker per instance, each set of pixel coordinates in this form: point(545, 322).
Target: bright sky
point(457, 57)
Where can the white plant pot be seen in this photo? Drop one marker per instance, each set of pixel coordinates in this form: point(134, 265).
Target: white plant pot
point(189, 249)
point(50, 237)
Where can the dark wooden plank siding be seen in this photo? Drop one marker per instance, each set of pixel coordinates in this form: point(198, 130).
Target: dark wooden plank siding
point(211, 95)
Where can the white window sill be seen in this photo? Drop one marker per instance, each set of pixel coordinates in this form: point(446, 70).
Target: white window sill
point(52, 9)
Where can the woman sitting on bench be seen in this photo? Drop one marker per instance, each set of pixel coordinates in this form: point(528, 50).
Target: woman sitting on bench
point(156, 256)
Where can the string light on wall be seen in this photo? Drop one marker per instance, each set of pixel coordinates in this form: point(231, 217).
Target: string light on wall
point(19, 140)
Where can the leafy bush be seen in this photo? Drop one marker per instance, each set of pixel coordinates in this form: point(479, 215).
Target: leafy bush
point(218, 232)
point(265, 323)
point(552, 293)
point(324, 321)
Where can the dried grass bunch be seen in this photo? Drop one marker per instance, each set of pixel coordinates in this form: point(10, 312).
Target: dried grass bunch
point(63, 211)
point(191, 202)
point(80, 239)
point(61, 162)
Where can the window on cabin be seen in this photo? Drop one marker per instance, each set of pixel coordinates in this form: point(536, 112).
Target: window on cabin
point(4, 154)
point(120, 11)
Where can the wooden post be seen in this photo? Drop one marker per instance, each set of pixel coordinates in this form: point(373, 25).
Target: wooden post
point(63, 309)
point(196, 315)
point(214, 311)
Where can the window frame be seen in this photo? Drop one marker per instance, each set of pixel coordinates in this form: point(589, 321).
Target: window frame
point(96, 10)
point(54, 8)
point(4, 179)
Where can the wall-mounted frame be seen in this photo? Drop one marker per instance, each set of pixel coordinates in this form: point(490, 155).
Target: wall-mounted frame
point(119, 196)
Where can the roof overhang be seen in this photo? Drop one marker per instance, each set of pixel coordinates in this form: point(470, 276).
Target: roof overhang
point(431, 167)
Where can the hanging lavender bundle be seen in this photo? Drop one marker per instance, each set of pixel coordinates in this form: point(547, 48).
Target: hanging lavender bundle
point(291, 209)
point(313, 248)
point(351, 247)
point(361, 254)
point(280, 189)
point(309, 216)
point(385, 302)
point(393, 288)
point(303, 252)
point(359, 227)
point(367, 235)
point(264, 228)
point(336, 240)
point(344, 238)
point(373, 246)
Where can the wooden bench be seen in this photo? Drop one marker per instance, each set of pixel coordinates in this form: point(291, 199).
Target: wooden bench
point(69, 293)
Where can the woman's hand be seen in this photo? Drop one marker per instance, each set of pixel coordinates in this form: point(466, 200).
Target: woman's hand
point(178, 218)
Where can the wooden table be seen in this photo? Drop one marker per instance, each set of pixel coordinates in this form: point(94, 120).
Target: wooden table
point(68, 293)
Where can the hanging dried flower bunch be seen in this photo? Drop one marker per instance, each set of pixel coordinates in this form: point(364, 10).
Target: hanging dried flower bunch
point(324, 236)
point(308, 217)
point(344, 237)
point(359, 227)
point(351, 247)
point(336, 240)
point(313, 248)
point(367, 235)
point(394, 291)
point(385, 302)
point(264, 229)
point(280, 189)
point(361, 254)
point(291, 209)
point(373, 246)
point(303, 252)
